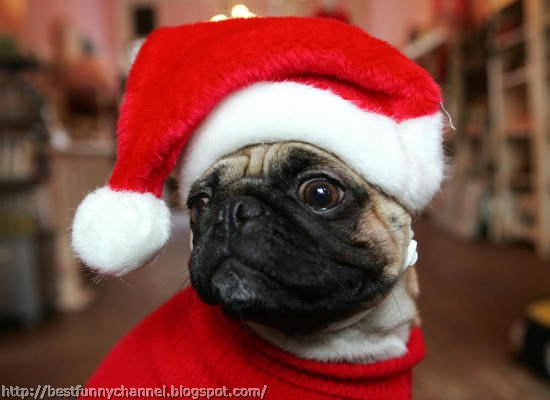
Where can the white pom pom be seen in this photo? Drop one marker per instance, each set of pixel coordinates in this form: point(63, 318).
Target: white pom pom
point(116, 232)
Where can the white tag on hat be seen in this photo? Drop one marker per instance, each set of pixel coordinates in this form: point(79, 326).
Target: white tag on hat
point(412, 255)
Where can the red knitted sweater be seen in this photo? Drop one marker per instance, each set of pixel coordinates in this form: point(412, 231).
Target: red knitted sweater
point(187, 343)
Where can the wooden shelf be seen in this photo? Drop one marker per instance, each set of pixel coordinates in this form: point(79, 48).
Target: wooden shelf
point(426, 43)
point(19, 184)
point(518, 101)
point(503, 135)
point(514, 133)
point(521, 233)
point(515, 78)
point(86, 149)
point(473, 131)
point(521, 180)
point(17, 123)
point(16, 63)
point(513, 37)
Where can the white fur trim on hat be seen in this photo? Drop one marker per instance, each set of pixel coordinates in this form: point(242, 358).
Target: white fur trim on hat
point(115, 232)
point(404, 159)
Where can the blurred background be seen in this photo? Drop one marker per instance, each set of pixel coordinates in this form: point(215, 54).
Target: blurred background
point(484, 243)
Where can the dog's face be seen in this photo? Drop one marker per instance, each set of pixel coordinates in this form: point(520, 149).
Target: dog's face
point(288, 236)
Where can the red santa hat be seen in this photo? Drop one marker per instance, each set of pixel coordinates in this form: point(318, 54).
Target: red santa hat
point(205, 90)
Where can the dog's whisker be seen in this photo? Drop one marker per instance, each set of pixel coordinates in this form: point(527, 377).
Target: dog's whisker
point(398, 228)
point(398, 306)
point(334, 277)
point(97, 279)
point(400, 284)
point(125, 282)
point(247, 327)
point(186, 282)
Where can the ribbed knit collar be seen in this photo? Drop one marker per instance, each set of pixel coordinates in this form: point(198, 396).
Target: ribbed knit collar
point(390, 379)
point(186, 343)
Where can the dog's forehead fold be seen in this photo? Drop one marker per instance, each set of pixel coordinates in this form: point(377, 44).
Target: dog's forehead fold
point(248, 161)
point(276, 162)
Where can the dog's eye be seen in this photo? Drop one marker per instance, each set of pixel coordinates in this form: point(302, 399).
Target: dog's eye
point(196, 207)
point(321, 194)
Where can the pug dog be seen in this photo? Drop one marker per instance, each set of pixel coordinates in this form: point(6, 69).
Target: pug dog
point(307, 254)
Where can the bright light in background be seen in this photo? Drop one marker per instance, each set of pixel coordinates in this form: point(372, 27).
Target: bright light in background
point(241, 11)
point(238, 11)
point(218, 17)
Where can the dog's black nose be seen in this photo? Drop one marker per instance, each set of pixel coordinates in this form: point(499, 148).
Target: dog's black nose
point(238, 210)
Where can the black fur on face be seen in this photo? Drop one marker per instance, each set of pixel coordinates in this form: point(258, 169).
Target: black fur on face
point(264, 255)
